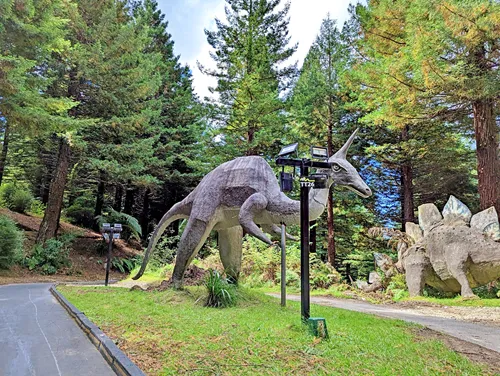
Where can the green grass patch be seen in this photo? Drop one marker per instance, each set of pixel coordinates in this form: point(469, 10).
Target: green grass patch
point(171, 332)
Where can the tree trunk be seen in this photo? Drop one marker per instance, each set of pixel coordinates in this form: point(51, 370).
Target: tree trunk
point(50, 222)
point(488, 165)
point(330, 220)
point(406, 193)
point(5, 148)
point(250, 137)
point(99, 201)
point(332, 252)
point(117, 204)
point(144, 215)
point(129, 200)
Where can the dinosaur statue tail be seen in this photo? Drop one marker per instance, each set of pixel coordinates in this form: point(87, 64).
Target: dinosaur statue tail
point(177, 211)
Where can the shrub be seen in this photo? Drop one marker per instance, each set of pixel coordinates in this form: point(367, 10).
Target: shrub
point(261, 266)
point(52, 256)
point(21, 201)
point(6, 192)
point(397, 282)
point(292, 278)
point(164, 252)
point(16, 197)
point(220, 293)
point(37, 208)
point(11, 242)
point(489, 291)
point(81, 212)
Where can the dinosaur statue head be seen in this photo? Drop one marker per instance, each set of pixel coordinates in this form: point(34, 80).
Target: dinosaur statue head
point(344, 174)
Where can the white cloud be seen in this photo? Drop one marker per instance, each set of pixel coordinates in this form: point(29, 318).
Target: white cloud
point(306, 17)
point(202, 82)
point(305, 22)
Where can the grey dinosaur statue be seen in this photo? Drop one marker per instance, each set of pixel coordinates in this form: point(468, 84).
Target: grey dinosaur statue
point(241, 195)
point(453, 252)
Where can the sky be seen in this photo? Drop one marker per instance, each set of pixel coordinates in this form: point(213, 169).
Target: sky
point(189, 18)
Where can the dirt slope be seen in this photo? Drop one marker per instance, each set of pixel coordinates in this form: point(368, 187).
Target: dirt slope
point(87, 254)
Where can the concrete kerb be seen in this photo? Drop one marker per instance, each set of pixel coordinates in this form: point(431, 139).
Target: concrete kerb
point(118, 361)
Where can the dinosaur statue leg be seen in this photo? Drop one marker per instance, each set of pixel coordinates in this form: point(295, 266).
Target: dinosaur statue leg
point(415, 279)
point(230, 250)
point(253, 205)
point(457, 266)
point(193, 237)
point(416, 264)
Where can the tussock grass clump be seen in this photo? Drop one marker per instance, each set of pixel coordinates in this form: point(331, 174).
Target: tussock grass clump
point(220, 292)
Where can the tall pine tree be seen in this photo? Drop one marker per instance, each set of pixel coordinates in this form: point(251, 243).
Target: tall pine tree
point(250, 52)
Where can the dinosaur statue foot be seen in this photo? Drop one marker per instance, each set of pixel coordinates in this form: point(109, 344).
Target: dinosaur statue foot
point(469, 296)
point(177, 285)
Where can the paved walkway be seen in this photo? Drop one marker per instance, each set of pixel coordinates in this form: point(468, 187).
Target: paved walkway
point(483, 335)
point(38, 337)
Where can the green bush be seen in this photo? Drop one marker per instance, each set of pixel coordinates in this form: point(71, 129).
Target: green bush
point(52, 256)
point(37, 208)
point(292, 278)
point(21, 201)
point(11, 242)
point(164, 252)
point(16, 197)
point(220, 293)
point(6, 192)
point(81, 212)
point(397, 282)
point(261, 266)
point(489, 291)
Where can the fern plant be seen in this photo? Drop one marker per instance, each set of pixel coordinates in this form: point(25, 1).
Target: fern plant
point(130, 224)
point(396, 238)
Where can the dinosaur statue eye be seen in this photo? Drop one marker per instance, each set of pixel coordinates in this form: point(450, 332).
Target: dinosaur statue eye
point(336, 168)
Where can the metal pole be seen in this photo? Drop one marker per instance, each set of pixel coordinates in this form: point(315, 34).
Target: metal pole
point(304, 246)
point(283, 265)
point(108, 262)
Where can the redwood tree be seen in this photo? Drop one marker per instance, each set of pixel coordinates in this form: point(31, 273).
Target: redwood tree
point(426, 61)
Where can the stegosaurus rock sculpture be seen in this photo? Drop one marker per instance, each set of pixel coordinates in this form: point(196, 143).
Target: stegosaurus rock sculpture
point(453, 252)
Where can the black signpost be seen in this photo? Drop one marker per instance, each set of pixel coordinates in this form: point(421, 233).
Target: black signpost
point(306, 183)
point(110, 233)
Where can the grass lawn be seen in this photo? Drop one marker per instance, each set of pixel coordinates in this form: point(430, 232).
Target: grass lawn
point(170, 333)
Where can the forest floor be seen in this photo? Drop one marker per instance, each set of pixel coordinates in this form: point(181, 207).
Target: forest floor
point(171, 332)
point(87, 254)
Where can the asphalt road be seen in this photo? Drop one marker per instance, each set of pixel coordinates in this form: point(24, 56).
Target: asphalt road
point(38, 337)
point(483, 335)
